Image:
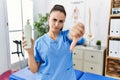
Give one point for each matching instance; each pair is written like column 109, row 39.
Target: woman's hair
column 58, row 8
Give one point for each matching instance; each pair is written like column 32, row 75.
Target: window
column 18, row 13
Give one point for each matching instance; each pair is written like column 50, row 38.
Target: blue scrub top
column 55, row 57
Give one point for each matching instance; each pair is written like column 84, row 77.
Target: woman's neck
column 53, row 35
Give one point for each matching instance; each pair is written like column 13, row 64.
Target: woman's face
column 56, row 21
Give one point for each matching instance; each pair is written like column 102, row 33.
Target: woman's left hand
column 76, row 33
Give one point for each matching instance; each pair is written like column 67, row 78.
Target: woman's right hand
column 29, row 50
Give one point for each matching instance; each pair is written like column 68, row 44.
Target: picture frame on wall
column 78, row 11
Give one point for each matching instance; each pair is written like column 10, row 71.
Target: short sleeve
column 66, row 35
column 37, row 53
column 81, row 41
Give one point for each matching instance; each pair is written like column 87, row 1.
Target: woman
column 51, row 58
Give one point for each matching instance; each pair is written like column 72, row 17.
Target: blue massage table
column 26, row 74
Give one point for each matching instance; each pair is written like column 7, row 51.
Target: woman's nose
column 56, row 24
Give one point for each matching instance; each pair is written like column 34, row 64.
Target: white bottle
column 28, row 35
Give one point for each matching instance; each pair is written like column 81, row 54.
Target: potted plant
column 41, row 26
column 98, row 44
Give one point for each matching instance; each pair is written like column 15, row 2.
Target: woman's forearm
column 33, row 65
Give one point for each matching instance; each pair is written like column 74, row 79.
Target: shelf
column 115, row 15
column 113, row 75
column 114, row 58
column 114, row 37
column 112, row 65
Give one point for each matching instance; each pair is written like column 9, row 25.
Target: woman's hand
column 33, row 65
column 76, row 33
column 29, row 50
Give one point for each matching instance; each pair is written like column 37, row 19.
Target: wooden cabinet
column 89, row 59
column 112, row 65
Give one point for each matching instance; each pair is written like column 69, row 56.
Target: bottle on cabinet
column 28, row 34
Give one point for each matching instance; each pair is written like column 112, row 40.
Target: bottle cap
column 28, row 21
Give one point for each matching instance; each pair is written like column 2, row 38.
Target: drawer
column 78, row 64
column 78, row 54
column 93, row 56
column 93, row 68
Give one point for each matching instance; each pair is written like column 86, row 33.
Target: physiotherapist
column 50, row 57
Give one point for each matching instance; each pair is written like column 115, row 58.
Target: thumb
column 73, row 44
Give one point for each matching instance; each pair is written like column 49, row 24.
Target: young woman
column 51, row 58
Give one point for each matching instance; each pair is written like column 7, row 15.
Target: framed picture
column 78, row 11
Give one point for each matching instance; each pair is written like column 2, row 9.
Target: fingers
column 24, row 44
column 73, row 44
column 22, row 36
column 77, row 31
column 80, row 27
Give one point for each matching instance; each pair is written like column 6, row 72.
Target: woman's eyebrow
column 59, row 20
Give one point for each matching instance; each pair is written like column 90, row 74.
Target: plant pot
column 98, row 47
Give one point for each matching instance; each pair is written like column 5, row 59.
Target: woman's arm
column 33, row 65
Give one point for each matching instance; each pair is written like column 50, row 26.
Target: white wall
column 4, row 59
column 39, row 6
column 99, row 19
column 99, row 15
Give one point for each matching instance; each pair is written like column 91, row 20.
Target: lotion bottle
column 28, row 35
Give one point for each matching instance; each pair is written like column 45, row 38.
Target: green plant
column 98, row 42
column 41, row 25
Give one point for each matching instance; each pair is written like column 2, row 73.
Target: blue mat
column 23, row 74
column 26, row 74
column 78, row 74
column 91, row 76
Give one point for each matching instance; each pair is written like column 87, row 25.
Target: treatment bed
column 26, row 74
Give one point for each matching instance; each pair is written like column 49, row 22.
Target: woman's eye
column 54, row 20
column 61, row 21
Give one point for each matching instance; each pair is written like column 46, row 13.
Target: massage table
column 26, row 74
